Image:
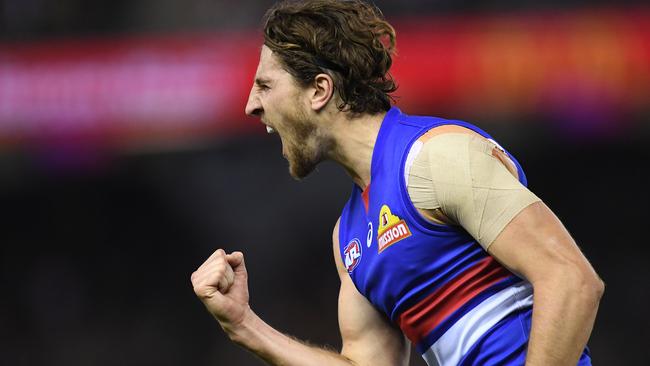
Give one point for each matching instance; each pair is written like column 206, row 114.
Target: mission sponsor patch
column 391, row 229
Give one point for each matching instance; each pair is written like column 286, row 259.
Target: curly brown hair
column 350, row 40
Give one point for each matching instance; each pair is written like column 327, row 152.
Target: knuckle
column 219, row 273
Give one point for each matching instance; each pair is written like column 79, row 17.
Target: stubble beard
column 306, row 147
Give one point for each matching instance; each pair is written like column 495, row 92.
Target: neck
column 354, row 141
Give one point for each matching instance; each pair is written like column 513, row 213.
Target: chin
column 300, row 172
column 303, row 159
column 301, row 168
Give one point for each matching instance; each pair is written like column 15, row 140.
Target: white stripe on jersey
column 450, row 348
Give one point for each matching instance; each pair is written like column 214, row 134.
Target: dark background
column 95, row 263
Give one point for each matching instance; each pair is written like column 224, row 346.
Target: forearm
column 279, row 349
column 564, row 311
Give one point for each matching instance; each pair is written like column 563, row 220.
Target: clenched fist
column 221, row 283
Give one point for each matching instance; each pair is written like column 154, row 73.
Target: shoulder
column 447, row 129
column 458, row 144
column 450, row 146
column 440, row 142
column 447, row 142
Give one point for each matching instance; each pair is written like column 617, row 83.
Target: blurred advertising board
column 587, row 70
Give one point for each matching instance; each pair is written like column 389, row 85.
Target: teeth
column 269, row 129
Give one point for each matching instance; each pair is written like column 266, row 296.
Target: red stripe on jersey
column 426, row 315
column 365, row 195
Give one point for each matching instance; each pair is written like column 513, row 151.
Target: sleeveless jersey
column 435, row 282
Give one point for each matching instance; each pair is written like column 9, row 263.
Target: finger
column 226, row 280
column 219, row 253
column 218, row 274
column 208, row 293
column 214, row 260
column 209, row 273
column 210, row 281
column 236, row 259
column 208, row 276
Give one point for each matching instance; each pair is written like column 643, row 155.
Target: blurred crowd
column 29, row 19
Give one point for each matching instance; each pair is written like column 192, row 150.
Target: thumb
column 236, row 261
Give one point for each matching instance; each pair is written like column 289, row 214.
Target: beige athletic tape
column 470, row 180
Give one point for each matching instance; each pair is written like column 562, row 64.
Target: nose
column 253, row 106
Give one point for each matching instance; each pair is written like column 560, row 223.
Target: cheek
column 272, row 101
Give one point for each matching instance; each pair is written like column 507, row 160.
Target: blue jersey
column 455, row 303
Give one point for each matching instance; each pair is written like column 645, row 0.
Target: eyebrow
column 260, row 81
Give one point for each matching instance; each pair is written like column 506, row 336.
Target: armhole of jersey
column 342, row 229
column 343, row 223
column 409, row 156
column 413, row 153
column 520, row 171
column 343, row 220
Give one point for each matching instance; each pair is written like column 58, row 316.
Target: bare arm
column 567, row 290
column 368, row 337
column 221, row 284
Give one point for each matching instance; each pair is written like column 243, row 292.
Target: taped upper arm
column 471, row 180
column 368, row 338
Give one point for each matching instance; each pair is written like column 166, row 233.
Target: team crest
column 391, row 229
column 352, row 253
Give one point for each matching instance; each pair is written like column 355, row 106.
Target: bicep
column 368, row 338
column 535, row 243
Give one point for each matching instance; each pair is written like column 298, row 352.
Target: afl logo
column 352, row 253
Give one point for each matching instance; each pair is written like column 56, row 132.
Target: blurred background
column 126, row 159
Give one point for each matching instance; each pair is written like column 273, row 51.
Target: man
column 441, row 244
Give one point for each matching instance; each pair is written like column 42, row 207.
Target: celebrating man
column 440, row 245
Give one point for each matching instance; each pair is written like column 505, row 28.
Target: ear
column 323, row 89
